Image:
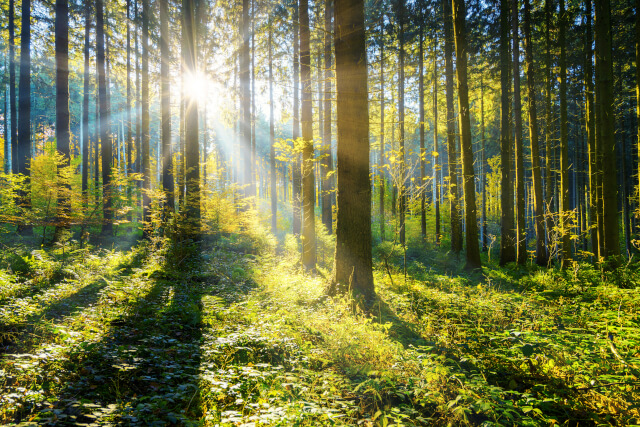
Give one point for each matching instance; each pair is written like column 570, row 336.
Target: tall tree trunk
column 24, row 107
column 538, row 203
column 353, row 265
column 565, row 209
column 591, row 137
column 604, row 83
column 423, row 153
column 483, row 172
column 402, row 190
column 296, row 172
column 12, row 89
column 436, row 153
column 466, row 147
column 252, row 170
column 381, row 171
column 165, row 101
column 85, row 107
column 521, row 226
column 146, row 161
column 308, row 185
column 192, row 149
column 637, row 83
column 508, row 240
column 327, row 162
column 245, row 99
column 105, row 120
column 129, row 125
column 549, row 188
column 62, row 111
column 272, row 148
column 454, row 202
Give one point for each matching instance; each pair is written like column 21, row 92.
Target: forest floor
column 231, row 332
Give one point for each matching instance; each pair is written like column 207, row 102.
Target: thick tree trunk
column 538, row 203
column 466, row 147
column 454, row 202
column 327, row 162
column 353, row 264
column 604, row 83
column 165, row 101
column 565, row 209
column 62, row 110
column 521, row 226
column 508, row 240
column 192, row 149
column 308, row 184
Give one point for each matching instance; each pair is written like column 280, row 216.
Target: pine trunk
column 521, row 226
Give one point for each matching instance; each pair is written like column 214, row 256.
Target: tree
column 454, row 201
column 105, row 120
column 308, row 184
column 521, row 242
column 466, row 148
column 565, row 210
column 327, row 159
column 272, row 148
column 146, row 161
column 165, row 100
column 402, row 202
column 381, row 171
column 353, row 264
column 24, row 105
column 296, row 167
column 62, row 104
column 192, row 149
column 85, row 105
column 423, row 153
column 605, row 98
column 507, row 243
column 12, row 89
column 541, row 250
column 436, row 154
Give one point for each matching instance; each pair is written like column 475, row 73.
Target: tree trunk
column 436, row 153
column 327, row 162
column 165, row 101
column 483, row 172
column 454, row 202
column 538, row 203
column 62, row 110
column 637, row 82
column 549, row 187
column 12, row 90
column 296, row 172
column 423, row 153
column 591, row 137
column 565, row 209
column 604, row 83
column 85, row 107
column 521, row 226
column 105, row 121
column 146, row 161
column 353, row 264
column 308, row 185
column 402, row 190
column 272, row 148
column 129, row 125
column 508, row 240
column 466, row 147
column 381, row 171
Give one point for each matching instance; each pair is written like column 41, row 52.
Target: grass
column 232, row 332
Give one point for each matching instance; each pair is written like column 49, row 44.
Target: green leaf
column 527, row 350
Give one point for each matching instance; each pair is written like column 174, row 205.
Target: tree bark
column 296, row 166
column 308, row 184
column 565, row 209
column 521, row 226
column 146, row 161
column 165, row 101
column 381, row 172
column 12, row 89
column 423, row 153
column 85, row 107
column 105, row 121
column 327, row 160
column 62, row 110
column 436, row 153
column 402, row 184
column 454, row 202
column 604, row 83
column 466, row 147
column 591, row 137
column 538, row 203
column 508, row 240
column 353, row 269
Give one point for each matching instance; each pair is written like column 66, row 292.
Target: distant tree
column 272, row 137
column 353, row 264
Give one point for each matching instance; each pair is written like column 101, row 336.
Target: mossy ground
column 230, row 331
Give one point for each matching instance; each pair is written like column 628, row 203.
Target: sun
column 196, row 87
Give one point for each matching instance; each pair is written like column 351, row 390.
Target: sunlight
column 196, row 86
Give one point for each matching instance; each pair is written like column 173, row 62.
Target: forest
column 320, row 212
